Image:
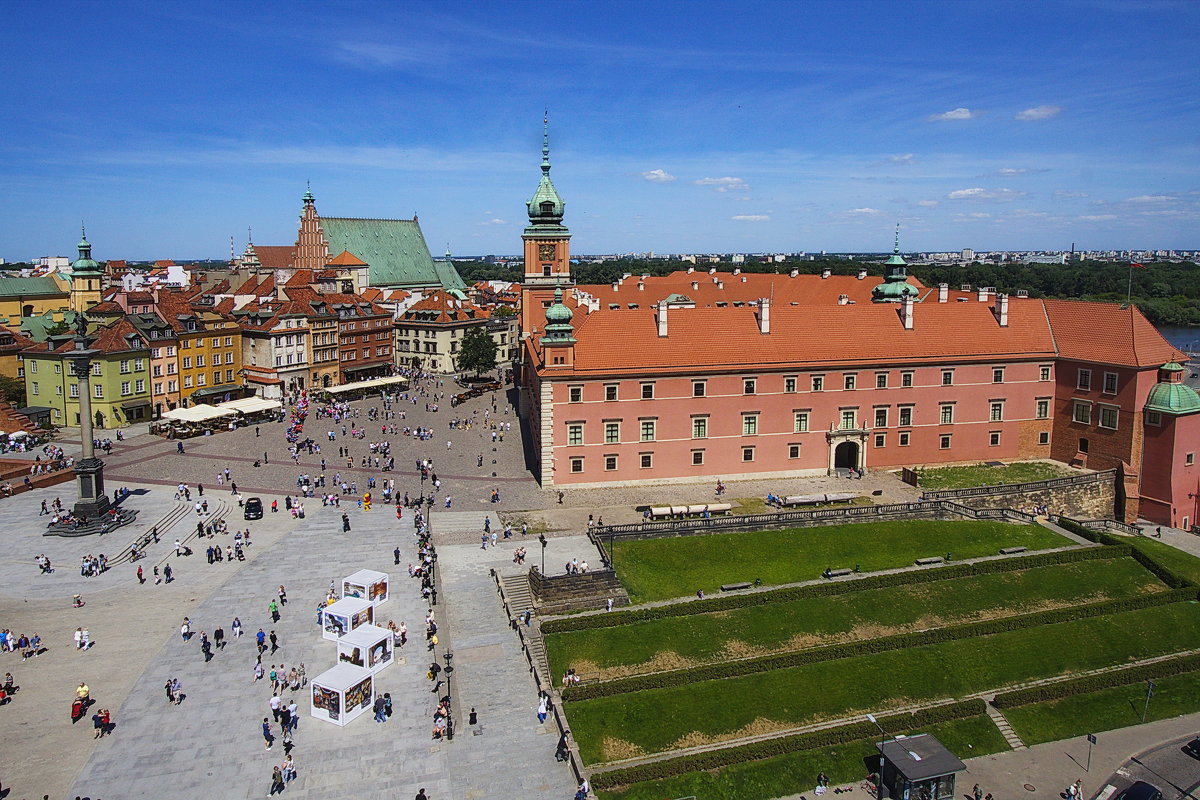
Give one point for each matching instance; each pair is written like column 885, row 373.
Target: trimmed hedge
column 1105, row 538
column 1094, row 683
column 755, row 751
column 796, row 658
column 727, row 602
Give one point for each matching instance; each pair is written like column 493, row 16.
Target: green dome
column 84, row 265
column 1173, row 398
column 895, row 284
column 545, row 208
column 558, row 313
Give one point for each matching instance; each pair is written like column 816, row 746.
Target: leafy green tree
column 478, row 351
column 14, row 391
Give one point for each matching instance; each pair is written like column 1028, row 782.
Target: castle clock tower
column 547, row 247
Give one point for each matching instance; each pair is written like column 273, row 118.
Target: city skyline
column 692, row 127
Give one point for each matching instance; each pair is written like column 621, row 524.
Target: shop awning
column 135, row 404
column 368, row 385
column 197, row 414
column 251, row 405
column 361, row 367
column 225, row 388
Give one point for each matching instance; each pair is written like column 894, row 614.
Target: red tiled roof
column 302, row 277
column 346, row 259
column 781, row 289
column 441, row 306
column 1108, row 334
column 275, row 256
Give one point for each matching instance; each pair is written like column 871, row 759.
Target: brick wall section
column 1084, row 501
column 556, row 594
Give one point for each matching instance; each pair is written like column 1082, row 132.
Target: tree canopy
column 478, row 352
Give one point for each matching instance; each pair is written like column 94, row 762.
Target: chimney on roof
column 983, row 293
column 712, row 271
column 764, row 315
column 943, row 292
column 641, row 286
column 737, row 270
column 720, row 284
column 843, row 299
column 626, row 275
column 616, row 286
column 662, row 319
column 825, row 273
column 690, row 270
column 793, row 273
column 1002, row 310
column 906, row 312
column 695, row 285
column 862, row 273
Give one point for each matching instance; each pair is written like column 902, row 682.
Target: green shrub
column 1156, row 568
column 907, row 578
column 729, row 669
column 1092, row 683
column 725, row 756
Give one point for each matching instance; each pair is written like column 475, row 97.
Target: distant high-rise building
column 967, row 254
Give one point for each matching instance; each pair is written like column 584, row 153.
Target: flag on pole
column 1136, row 265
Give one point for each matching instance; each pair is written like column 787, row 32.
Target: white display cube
column 342, row 693
column 343, row 616
column 368, row 646
column 366, row 584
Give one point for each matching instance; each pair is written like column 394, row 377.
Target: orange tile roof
column 275, row 256
column 302, row 277
column 781, row 289
column 1108, row 334
column 441, row 306
column 346, row 259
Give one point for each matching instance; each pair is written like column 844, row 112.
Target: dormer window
column 547, row 207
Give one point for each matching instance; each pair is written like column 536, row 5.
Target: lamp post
column 882, row 739
column 542, row 539
column 89, row 470
column 448, row 656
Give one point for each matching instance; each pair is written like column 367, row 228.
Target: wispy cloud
column 1149, row 198
column 377, row 55
column 751, row 217
column 906, row 158
column 1065, row 193
column 495, row 221
column 724, row 184
column 954, row 114
column 658, row 176
column 1096, row 217
column 928, row 203
column 863, row 211
column 1038, row 112
column 980, row 194
column 1010, row 172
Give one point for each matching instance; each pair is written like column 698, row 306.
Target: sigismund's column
column 93, row 501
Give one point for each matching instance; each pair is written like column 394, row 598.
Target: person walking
column 277, row 784
column 266, row 732
column 236, row 628
column 274, row 643
column 380, row 710
column 170, row 689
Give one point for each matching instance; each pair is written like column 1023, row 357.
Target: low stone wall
column 37, row 482
column 589, row 591
column 1091, row 499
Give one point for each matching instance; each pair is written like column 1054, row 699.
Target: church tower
column 312, row 250
column 86, row 276
column 547, row 247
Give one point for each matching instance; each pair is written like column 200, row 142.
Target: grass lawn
column 983, row 475
column 809, row 622
column 797, row 772
column 1185, row 565
column 1105, row 710
column 662, row 719
column 655, row 569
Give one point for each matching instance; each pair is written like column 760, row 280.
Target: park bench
column 925, row 562
column 815, row 499
column 734, row 587
column 838, row 573
column 1008, row 551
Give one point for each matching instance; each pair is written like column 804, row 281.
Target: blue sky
column 675, row 127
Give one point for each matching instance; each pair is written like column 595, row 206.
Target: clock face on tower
column 546, row 252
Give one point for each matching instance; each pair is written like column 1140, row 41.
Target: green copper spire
column 84, row 264
column 545, row 208
column 308, row 195
column 895, row 285
column 558, row 321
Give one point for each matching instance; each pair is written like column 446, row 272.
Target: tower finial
column 546, row 141
column 896, row 250
column 249, row 235
column 82, row 231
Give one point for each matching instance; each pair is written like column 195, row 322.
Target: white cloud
column 1065, row 193
column 751, row 217
column 979, row 193
column 1149, row 198
column 906, row 158
column 862, row 211
column 956, row 113
column 658, row 176
column 724, row 184
column 1097, row 217
column 927, row 203
column 495, row 221
column 1009, row 172
column 1038, row 112
column 979, row 215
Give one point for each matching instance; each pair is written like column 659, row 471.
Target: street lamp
column 448, row 656
column 542, row 539
column 882, row 739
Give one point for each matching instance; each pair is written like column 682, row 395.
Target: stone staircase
column 1010, row 736
column 517, row 596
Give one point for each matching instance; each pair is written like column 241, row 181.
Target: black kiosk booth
column 917, row 768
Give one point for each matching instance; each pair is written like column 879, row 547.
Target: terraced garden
column 657, row 569
column 684, row 693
